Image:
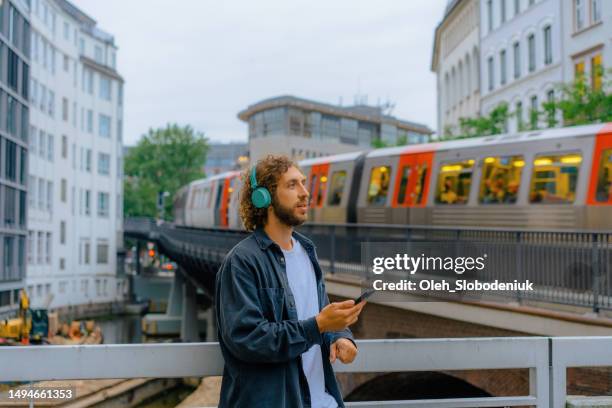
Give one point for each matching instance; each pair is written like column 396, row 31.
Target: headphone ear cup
column 260, row 197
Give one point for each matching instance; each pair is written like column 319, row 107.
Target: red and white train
column 547, row 179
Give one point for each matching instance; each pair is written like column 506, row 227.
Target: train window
column 419, row 188
column 604, row 178
column 321, row 190
column 501, row 177
column 454, row 182
column 337, row 187
column 401, row 195
column 379, row 185
column 554, row 178
column 313, row 183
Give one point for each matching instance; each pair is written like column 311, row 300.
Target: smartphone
column 365, row 295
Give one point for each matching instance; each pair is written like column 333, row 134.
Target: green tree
column 581, row 102
column 164, row 160
column 493, row 124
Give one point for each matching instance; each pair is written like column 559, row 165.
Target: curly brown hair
column 268, row 171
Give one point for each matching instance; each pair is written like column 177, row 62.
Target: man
column 277, row 331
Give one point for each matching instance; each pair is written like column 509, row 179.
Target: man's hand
column 344, row 349
column 338, row 315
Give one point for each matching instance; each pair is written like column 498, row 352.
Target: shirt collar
column 265, row 241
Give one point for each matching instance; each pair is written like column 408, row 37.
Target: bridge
column 571, row 269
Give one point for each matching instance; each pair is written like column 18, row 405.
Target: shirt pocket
column 272, row 302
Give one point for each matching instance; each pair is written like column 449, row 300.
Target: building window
column 491, row 73
column 64, row 147
column 579, row 14
column 596, row 11
column 102, row 253
column 517, row 7
column 103, row 204
column 98, row 54
column 490, row 14
column 532, row 52
column 90, row 121
column 65, row 109
column 502, row 10
column 533, row 114
column 50, row 148
column 104, row 125
column 550, row 98
column 103, row 164
column 88, row 160
column 579, row 70
column 64, row 191
column 547, row 45
column 502, row 65
column 105, row 88
column 48, row 250
column 519, row 116
column 87, row 202
column 62, row 232
column 596, row 72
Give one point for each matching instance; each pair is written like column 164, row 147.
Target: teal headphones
column 260, row 197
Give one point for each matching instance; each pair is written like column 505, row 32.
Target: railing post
column 332, row 257
column 595, row 275
column 519, row 264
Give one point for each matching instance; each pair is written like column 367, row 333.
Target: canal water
column 126, row 329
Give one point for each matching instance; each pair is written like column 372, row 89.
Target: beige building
column 456, row 61
column 302, row 128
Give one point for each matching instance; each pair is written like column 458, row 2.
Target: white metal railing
column 205, row 359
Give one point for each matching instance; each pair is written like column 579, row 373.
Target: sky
column 200, row 62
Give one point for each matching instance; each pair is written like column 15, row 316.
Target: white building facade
column 455, row 61
column 587, row 38
column 75, row 167
column 521, row 56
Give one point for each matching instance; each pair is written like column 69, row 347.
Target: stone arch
column 414, row 385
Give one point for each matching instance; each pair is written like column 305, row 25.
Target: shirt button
column 282, row 260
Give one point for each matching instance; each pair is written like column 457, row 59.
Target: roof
column 359, row 112
column 450, row 6
column 557, row 133
column 336, row 158
column 87, row 23
column 215, row 177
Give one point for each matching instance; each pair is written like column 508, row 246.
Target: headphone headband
column 253, row 177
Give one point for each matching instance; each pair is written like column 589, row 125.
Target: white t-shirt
column 303, row 283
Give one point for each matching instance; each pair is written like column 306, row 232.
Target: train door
column 228, row 188
column 411, row 188
column 317, row 187
column 219, row 202
column 600, row 186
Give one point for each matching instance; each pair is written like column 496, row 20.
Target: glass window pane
column 321, row 190
column 419, row 188
column 554, row 178
column 454, row 182
column 337, row 187
column 501, row 177
column 401, row 195
column 604, row 178
column 379, row 185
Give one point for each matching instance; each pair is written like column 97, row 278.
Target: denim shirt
column 260, row 335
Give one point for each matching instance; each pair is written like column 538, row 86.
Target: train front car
column 332, row 182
